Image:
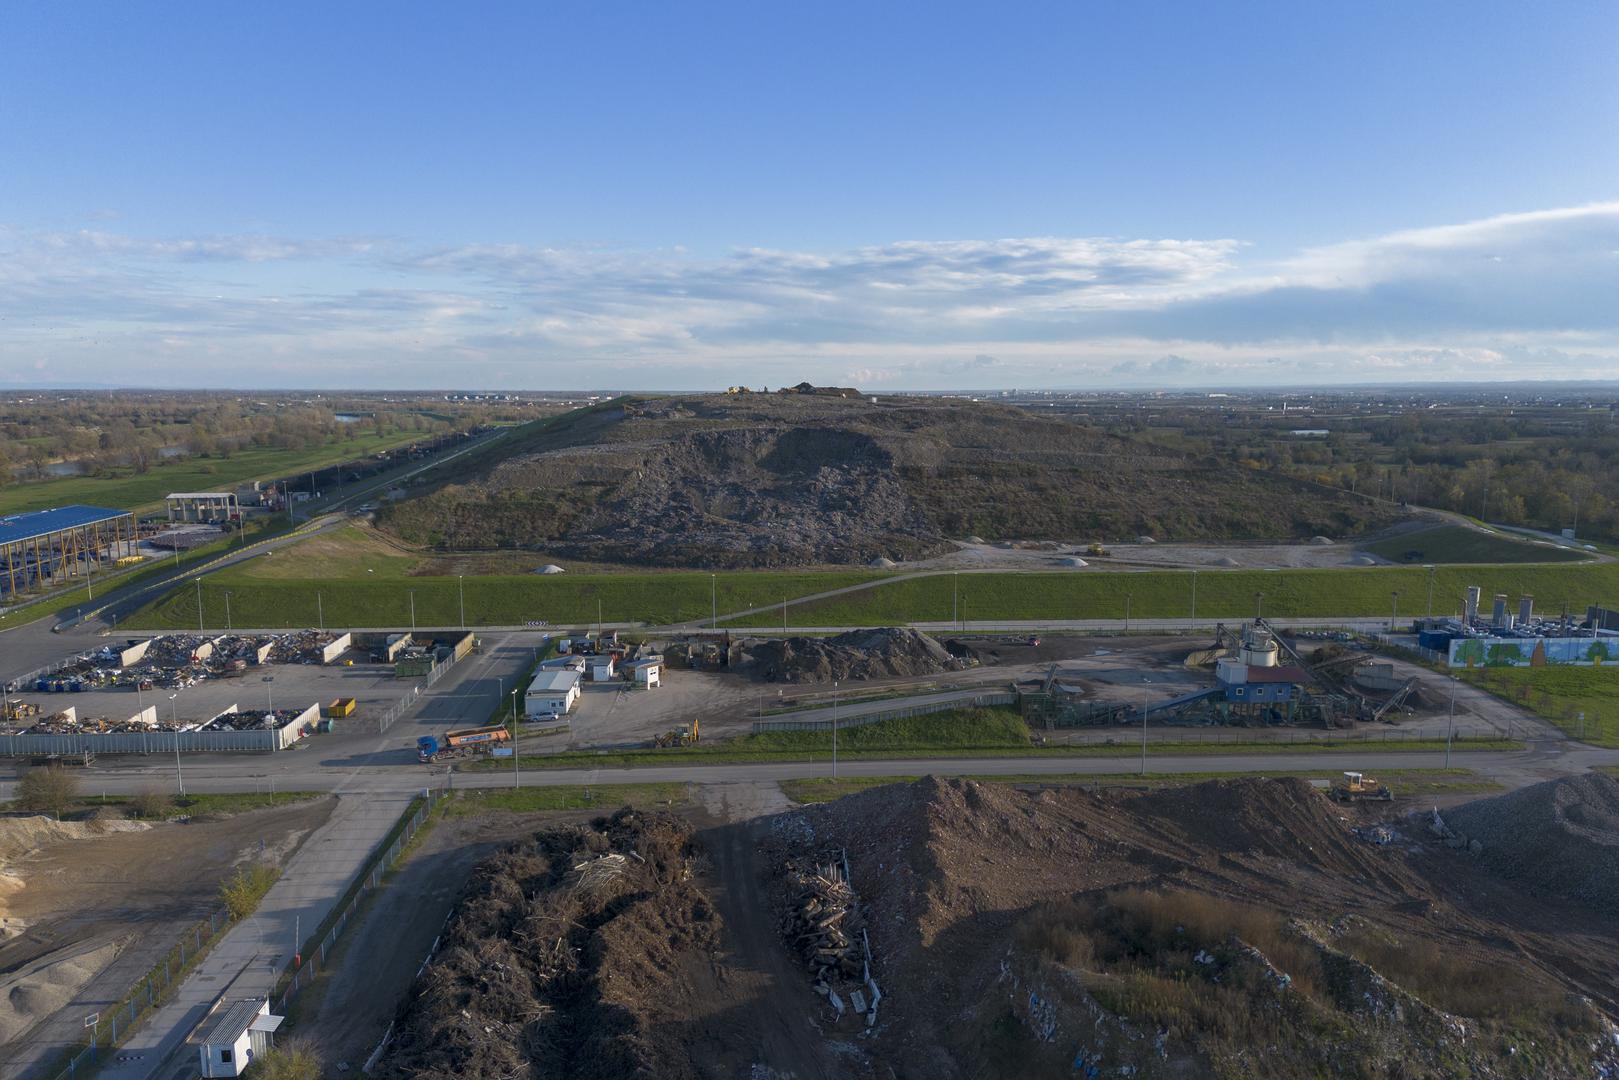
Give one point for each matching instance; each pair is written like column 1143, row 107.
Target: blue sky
column 898, row 195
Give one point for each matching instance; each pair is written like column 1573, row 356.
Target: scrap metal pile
column 301, row 647
column 824, row 924
column 256, row 720
column 65, row 724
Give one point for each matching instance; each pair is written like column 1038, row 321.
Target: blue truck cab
column 427, row 747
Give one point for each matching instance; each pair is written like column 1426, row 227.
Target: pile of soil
column 969, row 887
column 858, row 654
column 1560, row 836
column 576, row 953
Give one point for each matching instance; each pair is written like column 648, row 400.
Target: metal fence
column 312, row 960
column 152, row 990
column 408, row 701
column 972, row 701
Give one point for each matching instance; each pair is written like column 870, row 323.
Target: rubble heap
column 825, row 925
column 859, row 654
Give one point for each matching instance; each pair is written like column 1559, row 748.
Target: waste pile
column 574, row 953
column 824, row 924
column 256, row 720
column 1558, row 836
column 857, row 654
column 301, row 647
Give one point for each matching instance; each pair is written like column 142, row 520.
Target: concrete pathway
column 250, row 958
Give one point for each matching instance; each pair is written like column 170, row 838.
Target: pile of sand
column 40, row 988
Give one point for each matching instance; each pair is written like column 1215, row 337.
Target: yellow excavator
column 1096, row 550
column 681, row 736
column 1358, row 787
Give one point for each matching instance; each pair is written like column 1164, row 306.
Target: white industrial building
column 602, row 668
column 242, row 1031
column 646, row 672
column 551, row 692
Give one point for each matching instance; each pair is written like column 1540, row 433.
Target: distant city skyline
column 950, row 196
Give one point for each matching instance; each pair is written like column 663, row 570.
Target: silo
column 1498, row 616
column 1470, row 605
column 1258, row 648
column 1526, row 609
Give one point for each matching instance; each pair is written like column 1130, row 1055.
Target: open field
column 1407, row 783
column 1458, row 544
column 210, row 806
column 136, row 491
column 1561, row 694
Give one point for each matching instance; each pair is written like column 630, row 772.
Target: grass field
column 604, row 797
column 1560, row 694
column 1456, row 544
column 1405, row 782
column 1220, row 593
column 384, row 598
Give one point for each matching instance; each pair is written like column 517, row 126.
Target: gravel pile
column 1560, row 836
column 858, row 654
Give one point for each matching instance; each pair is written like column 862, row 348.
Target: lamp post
column 1127, row 598
column 461, row 593
column 1194, row 599
column 1394, row 611
column 227, row 613
column 412, row 610
column 834, row 729
column 320, row 611
column 269, row 695
column 174, row 718
column 1143, row 733
column 955, row 595
column 1451, row 726
column 714, row 601
column 517, row 774
column 784, row 616
column 199, row 605
column 1430, row 569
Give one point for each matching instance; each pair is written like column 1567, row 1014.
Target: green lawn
column 1405, row 782
column 1560, row 693
column 132, row 491
column 1220, row 594
column 563, row 599
column 603, row 797
column 1458, row 544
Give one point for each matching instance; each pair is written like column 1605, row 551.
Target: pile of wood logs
column 824, row 922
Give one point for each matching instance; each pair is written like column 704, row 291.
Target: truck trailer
column 463, row 743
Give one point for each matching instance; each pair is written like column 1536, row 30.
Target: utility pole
column 174, row 718
column 320, row 611
column 1429, row 567
column 199, row 605
column 517, row 774
column 714, row 601
column 461, row 592
column 1394, row 612
column 1194, row 599
column 1127, row 598
column 227, row 613
column 784, row 616
column 412, row 610
column 955, row 595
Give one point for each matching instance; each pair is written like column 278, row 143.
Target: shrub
column 151, row 803
column 243, row 890
column 294, row 1061
column 47, row 790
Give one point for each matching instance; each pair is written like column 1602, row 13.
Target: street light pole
column 199, row 605
column 1143, row 733
column 1394, row 612
column 320, row 611
column 1194, row 599
column 227, row 613
column 412, row 610
column 955, row 595
column 517, row 775
column 1451, row 726
column 834, row 729
column 174, row 718
column 714, row 601
column 1430, row 570
column 1127, row 598
column 461, row 592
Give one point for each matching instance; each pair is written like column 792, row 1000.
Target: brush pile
column 824, row 924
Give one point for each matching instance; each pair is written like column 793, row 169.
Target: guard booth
column 239, row 1032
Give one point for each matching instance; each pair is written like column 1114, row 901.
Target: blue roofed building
column 41, row 548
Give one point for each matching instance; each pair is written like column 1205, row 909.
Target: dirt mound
column 570, row 955
column 858, row 654
column 1561, row 836
column 1170, row 932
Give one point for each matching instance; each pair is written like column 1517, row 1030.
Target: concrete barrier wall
column 288, row 734
column 147, row 716
column 340, row 645
column 261, row 655
column 462, row 647
column 976, row 701
column 134, row 653
column 139, row 742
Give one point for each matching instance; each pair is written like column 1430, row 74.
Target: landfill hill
column 809, row 478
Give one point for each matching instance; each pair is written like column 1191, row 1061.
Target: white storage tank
column 1258, row 647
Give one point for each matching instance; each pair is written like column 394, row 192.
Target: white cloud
column 1517, row 295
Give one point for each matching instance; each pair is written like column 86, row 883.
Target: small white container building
column 602, row 668
column 241, row 1031
column 646, row 672
column 551, row 692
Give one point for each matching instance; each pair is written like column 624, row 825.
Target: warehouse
column 551, row 693
column 41, row 547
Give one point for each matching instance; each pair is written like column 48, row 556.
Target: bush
column 47, row 790
column 151, row 804
column 294, row 1061
column 243, row 890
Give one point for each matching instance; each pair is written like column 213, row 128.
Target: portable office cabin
column 602, row 668
column 551, row 692
column 646, row 672
column 244, row 1030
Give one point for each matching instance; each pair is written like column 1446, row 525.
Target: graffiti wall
column 1533, row 652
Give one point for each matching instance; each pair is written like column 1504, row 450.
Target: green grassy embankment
column 603, row 797
column 1458, row 544
column 1156, row 594
column 133, row 491
column 992, row 732
column 1560, row 694
column 1405, row 782
column 384, row 598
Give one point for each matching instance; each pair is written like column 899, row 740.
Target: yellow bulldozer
column 1358, row 787
column 682, row 736
column 1095, row 549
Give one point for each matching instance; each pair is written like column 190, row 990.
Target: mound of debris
column 858, row 654
column 1560, row 836
column 1175, row 932
column 826, row 926
column 571, row 954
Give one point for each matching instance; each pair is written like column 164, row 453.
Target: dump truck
column 681, row 736
column 1358, row 787
column 463, row 743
